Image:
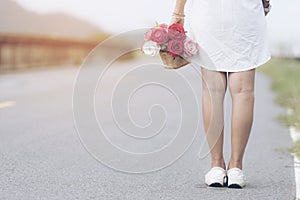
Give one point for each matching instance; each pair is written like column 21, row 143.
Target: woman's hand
column 267, row 6
column 175, row 20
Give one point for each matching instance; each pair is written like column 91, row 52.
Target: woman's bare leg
column 241, row 86
column 214, row 85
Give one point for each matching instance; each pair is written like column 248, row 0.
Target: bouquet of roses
column 171, row 43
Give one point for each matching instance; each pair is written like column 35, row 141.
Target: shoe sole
column 216, row 185
column 235, row 186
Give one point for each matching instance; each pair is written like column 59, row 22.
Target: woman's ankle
column 235, row 164
column 218, row 163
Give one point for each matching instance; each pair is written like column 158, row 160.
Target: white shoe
column 215, row 177
column 236, row 178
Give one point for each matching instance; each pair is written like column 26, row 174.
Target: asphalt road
column 42, row 157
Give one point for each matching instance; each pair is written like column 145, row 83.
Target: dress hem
column 238, row 70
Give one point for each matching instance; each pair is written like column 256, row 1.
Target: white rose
column 151, row 48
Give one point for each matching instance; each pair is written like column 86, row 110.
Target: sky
column 117, row 16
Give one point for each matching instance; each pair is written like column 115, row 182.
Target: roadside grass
column 285, row 75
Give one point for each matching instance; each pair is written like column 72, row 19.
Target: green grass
column 285, row 74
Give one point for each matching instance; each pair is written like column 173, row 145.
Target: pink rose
column 163, row 26
column 190, row 48
column 159, row 35
column 175, row 47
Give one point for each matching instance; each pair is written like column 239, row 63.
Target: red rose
column 176, row 32
column 159, row 35
column 175, row 47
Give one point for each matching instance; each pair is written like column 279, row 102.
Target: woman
column 232, row 35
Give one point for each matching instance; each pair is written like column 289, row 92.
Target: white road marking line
column 295, row 135
column 7, row 104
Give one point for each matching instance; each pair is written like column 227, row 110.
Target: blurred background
column 37, row 33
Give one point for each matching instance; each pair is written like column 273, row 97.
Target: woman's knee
column 242, row 93
column 214, row 86
column 214, row 90
column 242, row 84
column 241, row 89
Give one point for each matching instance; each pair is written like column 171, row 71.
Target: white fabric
column 232, row 34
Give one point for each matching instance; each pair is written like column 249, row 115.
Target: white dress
column 232, row 34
